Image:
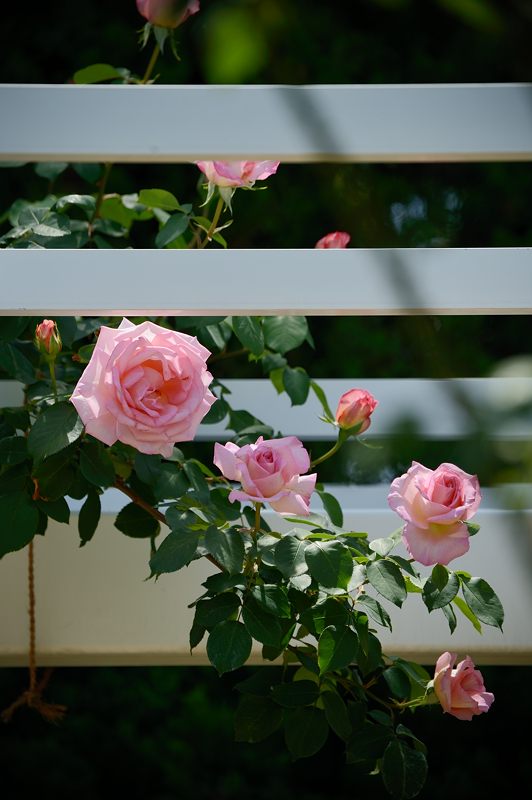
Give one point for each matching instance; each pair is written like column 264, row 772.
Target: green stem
column 258, row 507
column 151, row 64
column 334, row 449
column 51, row 367
column 102, row 184
column 214, row 223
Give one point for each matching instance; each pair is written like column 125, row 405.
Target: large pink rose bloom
column 461, row 691
column 338, row 239
column 237, row 174
column 167, row 13
column 435, row 505
column 145, row 386
column 270, row 472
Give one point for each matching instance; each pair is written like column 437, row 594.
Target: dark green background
column 166, row 733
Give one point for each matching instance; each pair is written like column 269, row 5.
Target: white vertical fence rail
column 82, row 618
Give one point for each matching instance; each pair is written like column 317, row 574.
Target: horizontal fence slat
column 212, row 282
column 95, row 607
column 353, row 123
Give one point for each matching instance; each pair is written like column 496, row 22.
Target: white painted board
column 365, row 123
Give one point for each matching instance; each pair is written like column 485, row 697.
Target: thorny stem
column 258, row 507
column 153, row 512
column 214, row 223
column 102, row 184
column 51, row 367
column 228, row 354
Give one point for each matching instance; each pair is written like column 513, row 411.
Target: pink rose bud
column 435, row 505
column 461, row 691
column 355, row 409
column 145, row 386
column 167, row 13
column 336, row 239
column 47, row 339
column 270, row 472
column 237, row 174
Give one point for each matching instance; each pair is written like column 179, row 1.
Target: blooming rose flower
column 461, row 691
column 167, row 13
column 237, row 174
column 145, row 386
column 336, row 239
column 355, row 407
column 270, row 472
column 47, row 339
column 435, row 505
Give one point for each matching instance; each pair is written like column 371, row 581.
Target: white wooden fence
column 93, row 606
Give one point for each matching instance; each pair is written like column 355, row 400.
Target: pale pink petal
column 436, row 547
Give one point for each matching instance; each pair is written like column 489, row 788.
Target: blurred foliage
column 176, row 741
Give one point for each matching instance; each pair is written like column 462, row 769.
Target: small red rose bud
column 336, row 239
column 47, row 339
column 355, row 409
column 167, row 13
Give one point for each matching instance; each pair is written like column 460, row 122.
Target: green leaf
column 227, row 547
column 159, row 198
column 368, row 743
column 450, row 616
column 228, row 646
column 20, row 519
column 297, row 384
column 483, row 601
column 57, row 427
column 56, row 509
column 305, row 731
column 197, row 480
column 89, row 172
column 248, row 331
column 320, row 394
column 321, row 616
column 89, row 517
column 175, row 552
column 333, row 508
column 398, row 682
column 50, row 169
column 260, row 682
column 289, row 556
column 85, row 201
column 55, row 475
column 96, row 73
column 95, row 464
column 16, row 364
column 440, row 588
column 13, row 450
column 388, row 580
column 336, row 714
column 12, row 327
column 404, row 770
column 337, row 648
column 466, row 611
column 216, row 609
column 256, row 718
column 330, row 563
column 273, row 599
column 374, row 610
column 264, row 627
column 370, row 657
column 284, row 333
column 296, row 694
column 134, row 521
column 472, row 528
column 171, row 230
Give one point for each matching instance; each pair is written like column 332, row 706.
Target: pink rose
column 145, row 386
column 47, row 339
column 435, row 505
column 355, row 407
column 237, row 174
column 336, row 239
column 167, row 13
column 270, row 472
column 461, row 691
